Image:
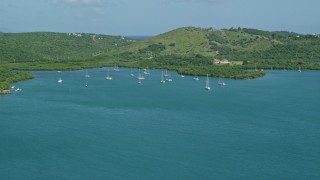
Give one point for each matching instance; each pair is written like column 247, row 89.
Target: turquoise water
column 267, row 128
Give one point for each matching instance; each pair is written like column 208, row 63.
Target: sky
column 153, row 17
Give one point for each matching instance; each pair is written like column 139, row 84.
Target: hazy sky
column 152, row 17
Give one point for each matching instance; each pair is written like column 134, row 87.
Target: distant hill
column 251, row 46
column 183, row 46
column 189, row 50
column 56, row 47
column 138, row 37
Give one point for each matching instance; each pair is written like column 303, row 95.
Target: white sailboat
column 146, row 71
column 162, row 80
column 221, row 82
column 108, row 76
column 131, row 74
column 140, row 76
column 168, row 76
column 116, row 68
column 87, row 75
column 165, row 73
column 207, row 87
column 299, row 69
column 169, row 79
column 86, row 85
column 59, row 80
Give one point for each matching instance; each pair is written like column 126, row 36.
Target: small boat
column 59, row 80
column 116, row 68
column 86, row 85
column 165, row 73
column 18, row 89
column 162, row 80
column 196, row 78
column 146, row 71
column 132, row 73
column 221, row 82
column 140, row 76
column 87, row 75
column 182, row 75
column 108, row 76
column 207, row 87
column 299, row 69
column 169, row 79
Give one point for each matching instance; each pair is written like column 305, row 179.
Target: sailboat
column 221, row 82
column 86, row 85
column 132, row 73
column 87, row 75
column 140, row 76
column 165, row 73
column 162, row 80
column 146, row 71
column 168, row 76
column 59, row 80
column 169, row 79
column 207, row 87
column 299, row 69
column 116, row 68
column 108, row 76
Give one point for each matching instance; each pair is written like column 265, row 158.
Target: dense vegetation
column 7, row 76
column 196, row 48
column 264, row 49
column 56, row 47
column 188, row 50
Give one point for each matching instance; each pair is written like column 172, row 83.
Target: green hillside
column 51, row 51
column 252, row 47
column 193, row 50
column 188, row 50
column 55, row 47
column 183, row 41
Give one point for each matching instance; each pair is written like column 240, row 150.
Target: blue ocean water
column 266, row 128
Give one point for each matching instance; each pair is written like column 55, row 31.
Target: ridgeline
column 225, row 53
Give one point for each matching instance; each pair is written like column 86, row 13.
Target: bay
column 266, row 128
